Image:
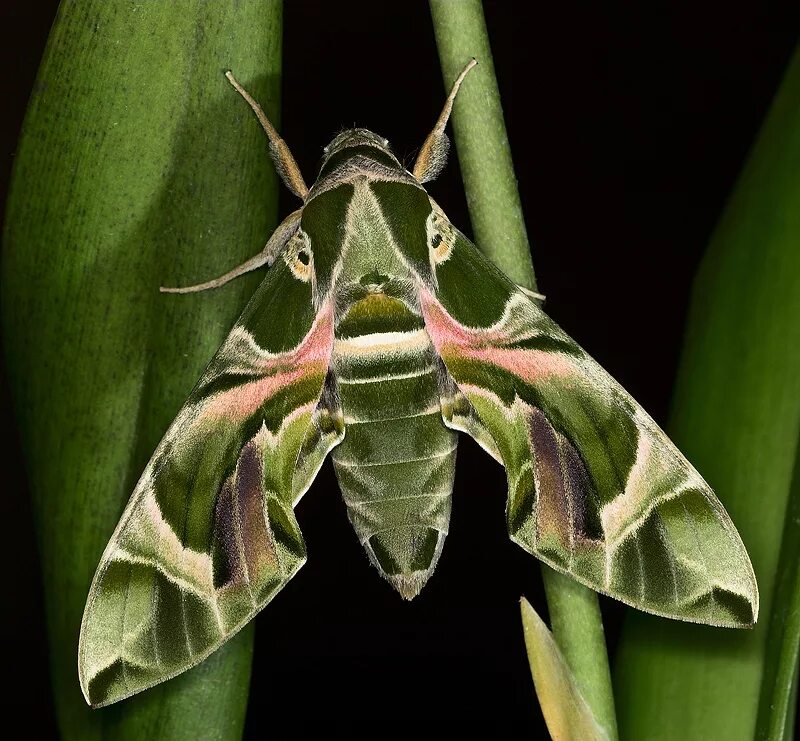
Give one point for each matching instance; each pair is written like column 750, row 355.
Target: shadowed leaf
column 778, row 705
column 138, row 166
column 736, row 415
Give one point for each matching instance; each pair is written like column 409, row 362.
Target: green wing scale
column 596, row 489
column 209, row 535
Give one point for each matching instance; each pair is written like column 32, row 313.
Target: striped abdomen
column 396, row 463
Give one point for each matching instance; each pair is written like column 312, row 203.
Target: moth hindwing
column 379, row 333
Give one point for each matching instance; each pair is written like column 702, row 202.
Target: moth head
column 358, row 147
column 356, row 138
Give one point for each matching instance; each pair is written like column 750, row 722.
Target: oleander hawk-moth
column 378, row 334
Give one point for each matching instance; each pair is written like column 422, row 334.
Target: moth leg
column 266, row 257
column 538, row 297
column 281, row 155
column 433, row 155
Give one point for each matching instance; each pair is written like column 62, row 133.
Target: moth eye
column 436, row 240
column 304, row 257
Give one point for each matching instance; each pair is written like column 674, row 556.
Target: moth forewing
column 596, row 489
column 379, row 333
column 209, row 535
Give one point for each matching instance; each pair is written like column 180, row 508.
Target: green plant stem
column 499, row 228
column 138, row 166
column 484, row 156
column 577, row 626
column 736, row 416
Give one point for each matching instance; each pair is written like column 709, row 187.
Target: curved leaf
column 138, row 166
column 778, row 705
column 736, row 415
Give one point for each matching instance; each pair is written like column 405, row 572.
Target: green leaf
column 736, row 416
column 138, row 166
column 499, row 227
column 566, row 712
column 777, row 708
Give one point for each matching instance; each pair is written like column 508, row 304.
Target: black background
column 628, row 125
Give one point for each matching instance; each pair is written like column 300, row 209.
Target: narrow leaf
column 566, row 712
column 138, row 166
column 777, row 709
column 736, row 415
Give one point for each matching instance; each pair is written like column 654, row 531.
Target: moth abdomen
column 396, row 463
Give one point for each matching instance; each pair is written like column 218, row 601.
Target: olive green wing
column 209, row 535
column 596, row 489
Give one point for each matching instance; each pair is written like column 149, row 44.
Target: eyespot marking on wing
column 441, row 236
column 298, row 256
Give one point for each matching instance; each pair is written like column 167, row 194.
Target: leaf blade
column 736, row 415
column 566, row 712
column 128, row 175
column 777, row 705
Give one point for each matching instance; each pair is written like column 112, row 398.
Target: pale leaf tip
column 566, row 712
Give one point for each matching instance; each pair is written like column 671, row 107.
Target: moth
column 378, row 335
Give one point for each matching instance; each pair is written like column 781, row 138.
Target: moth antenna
column 281, row 154
column 280, row 237
column 433, row 154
